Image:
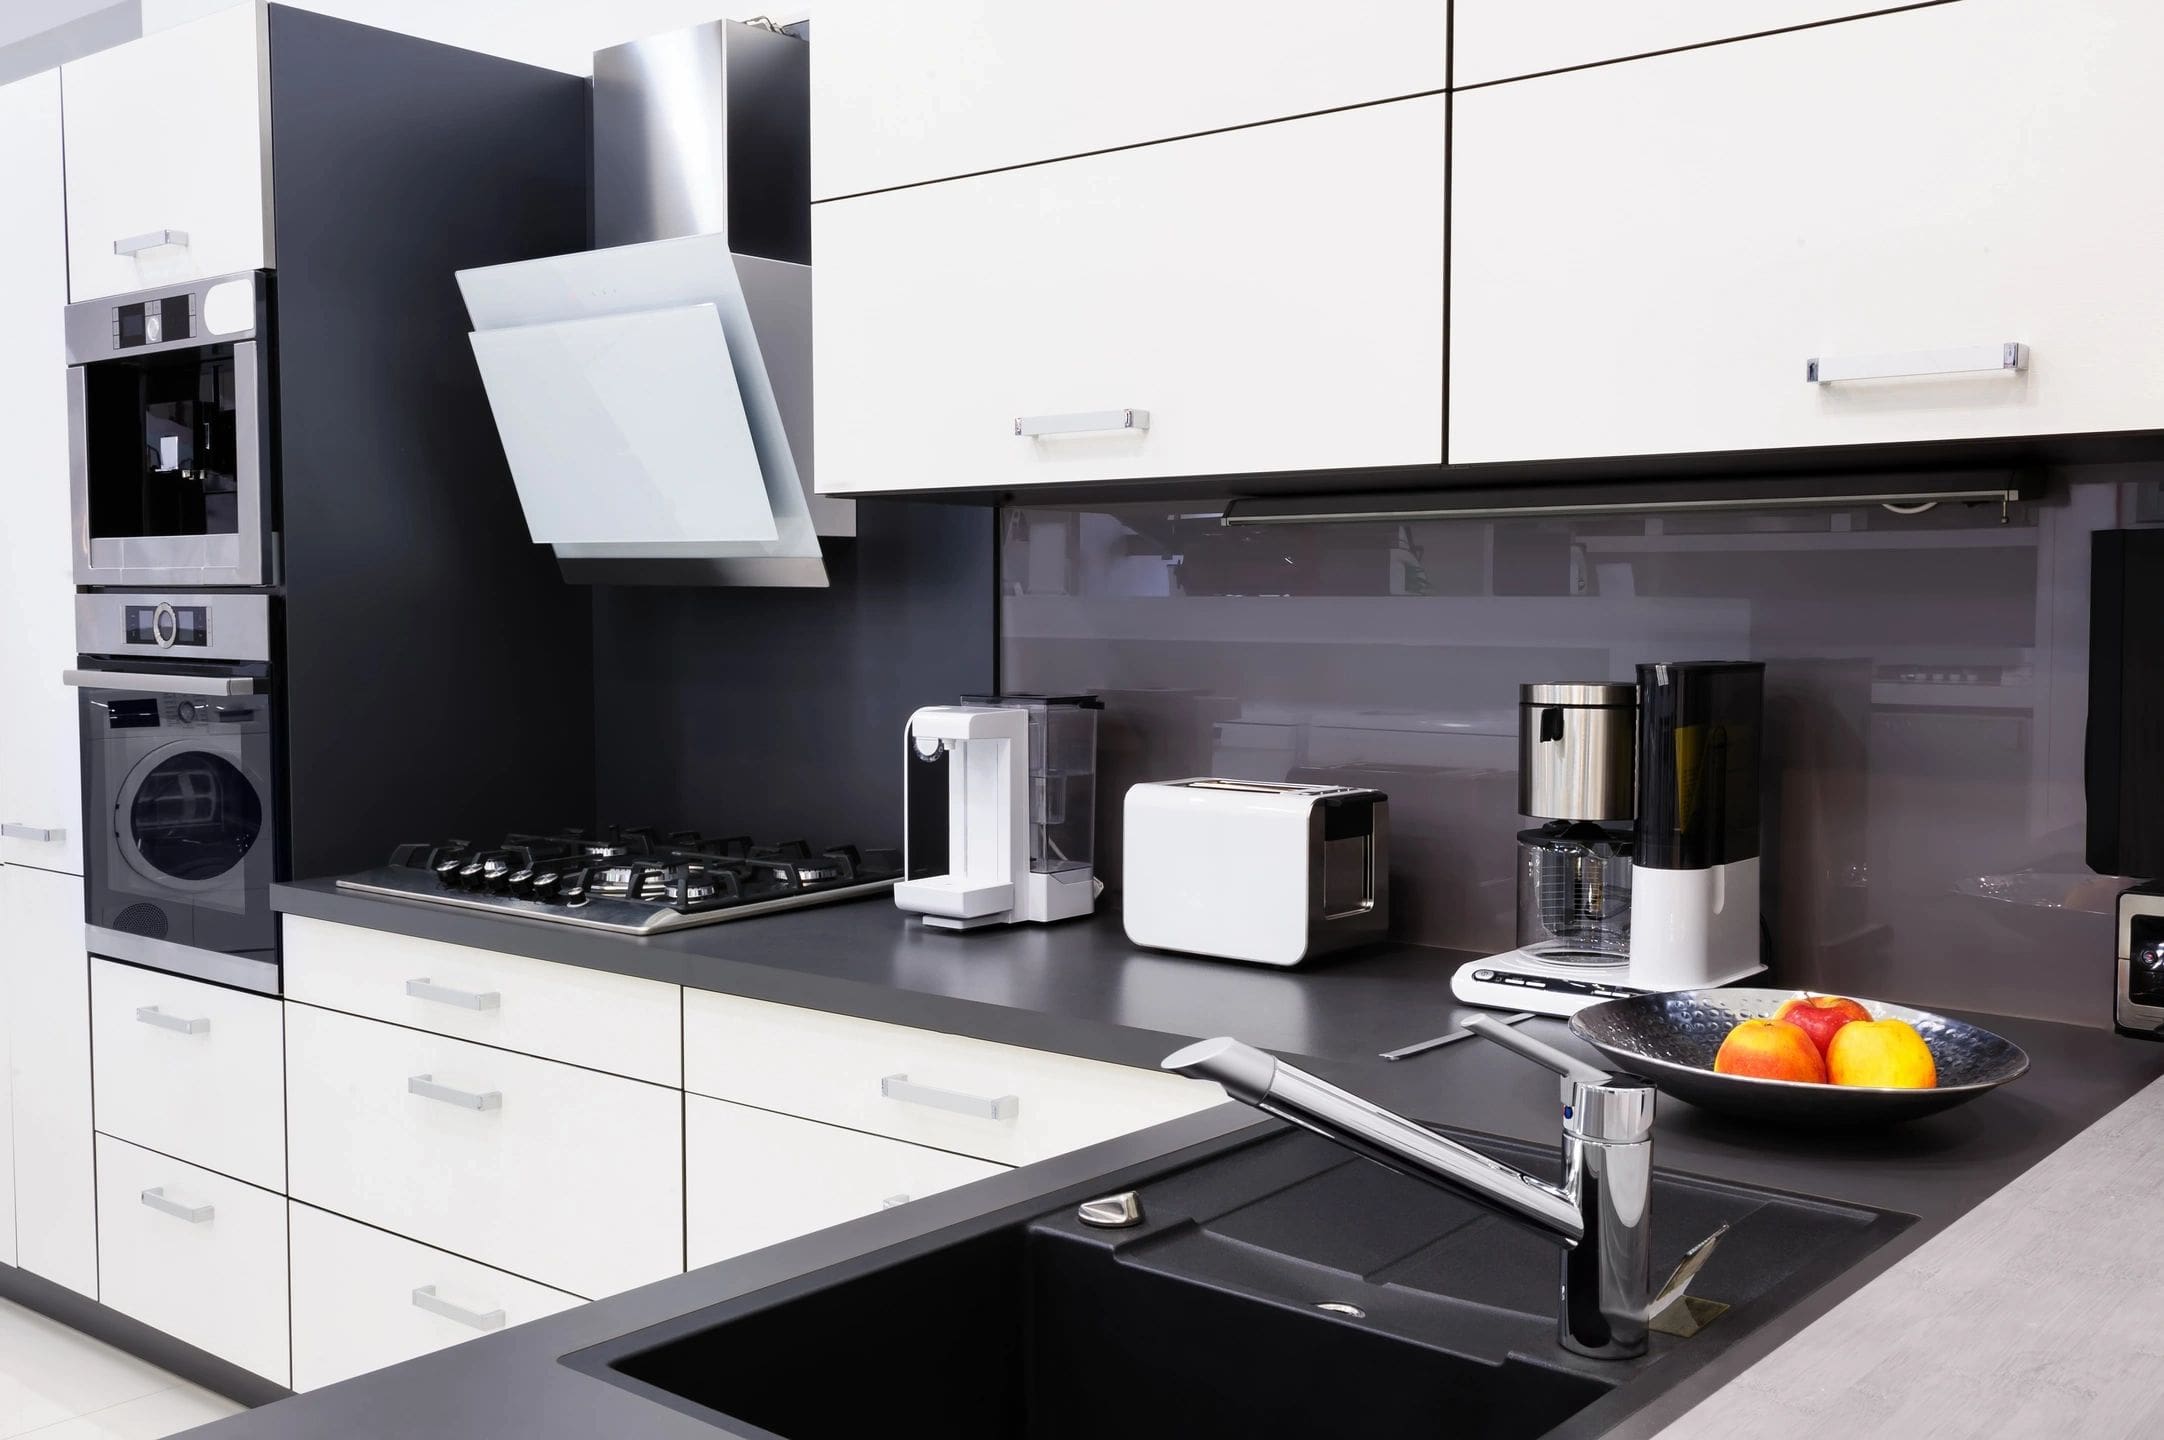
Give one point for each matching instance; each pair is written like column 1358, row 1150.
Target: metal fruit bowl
column 1671, row 1040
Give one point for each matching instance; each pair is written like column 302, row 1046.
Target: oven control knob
column 188, row 712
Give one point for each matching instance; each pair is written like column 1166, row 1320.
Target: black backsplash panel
column 779, row 713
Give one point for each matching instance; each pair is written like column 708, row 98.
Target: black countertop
column 1080, row 989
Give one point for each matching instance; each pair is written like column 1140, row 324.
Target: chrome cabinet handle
column 149, row 240
column 152, row 1015
column 9, row 830
column 2006, row 358
column 427, row 1087
column 160, row 684
column 156, row 1198
column 1082, row 422
column 893, row 1200
column 426, row 1298
column 981, row 1107
column 423, row 988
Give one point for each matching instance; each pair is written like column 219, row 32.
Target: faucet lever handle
column 1570, row 1067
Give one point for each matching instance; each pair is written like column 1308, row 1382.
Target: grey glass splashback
column 1926, row 677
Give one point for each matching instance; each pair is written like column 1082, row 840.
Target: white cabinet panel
column 753, row 1178
column 1272, row 297
column 192, row 1070
column 48, row 982
column 198, row 1255
column 608, row 1022
column 996, row 1102
column 907, row 93
column 364, row 1299
column 41, row 819
column 168, row 133
column 569, row 1177
column 1502, row 39
column 1630, row 278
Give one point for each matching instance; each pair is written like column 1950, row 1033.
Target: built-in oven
column 179, row 737
column 170, row 420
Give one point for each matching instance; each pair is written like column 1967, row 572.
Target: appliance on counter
column 2138, row 1004
column 1021, row 809
column 170, row 453
column 654, row 397
column 632, row 880
column 1674, row 903
column 1251, row 870
column 179, row 731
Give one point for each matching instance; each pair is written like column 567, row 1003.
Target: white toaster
column 1247, row 870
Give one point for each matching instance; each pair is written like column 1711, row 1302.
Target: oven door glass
column 161, row 438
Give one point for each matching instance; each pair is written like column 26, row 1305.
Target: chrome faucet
column 1599, row 1212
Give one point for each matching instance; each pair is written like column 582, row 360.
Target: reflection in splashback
column 1926, row 686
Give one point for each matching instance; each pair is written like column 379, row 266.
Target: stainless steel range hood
column 654, row 397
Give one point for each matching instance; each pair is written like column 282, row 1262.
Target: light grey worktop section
column 1081, row 989
column 2039, row 1313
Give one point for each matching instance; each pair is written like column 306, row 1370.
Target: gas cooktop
column 633, row 880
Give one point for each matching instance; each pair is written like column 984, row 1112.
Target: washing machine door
column 188, row 817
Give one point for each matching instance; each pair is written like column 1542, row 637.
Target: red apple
column 1770, row 1050
column 1818, row 1016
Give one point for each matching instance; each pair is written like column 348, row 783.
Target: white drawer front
column 907, row 93
column 997, row 1102
column 617, row 1023
column 190, row 1069
column 1271, row 297
column 569, row 1177
column 1502, row 39
column 364, row 1299
column 753, row 1178
column 198, row 1255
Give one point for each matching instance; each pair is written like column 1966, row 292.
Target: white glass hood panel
column 627, row 429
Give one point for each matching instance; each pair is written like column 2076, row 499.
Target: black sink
column 1206, row 1319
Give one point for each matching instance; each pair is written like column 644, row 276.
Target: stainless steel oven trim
column 218, row 686
column 89, row 323
column 182, row 559
column 238, row 625
column 243, row 971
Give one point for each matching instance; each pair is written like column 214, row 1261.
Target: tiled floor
column 56, row 1384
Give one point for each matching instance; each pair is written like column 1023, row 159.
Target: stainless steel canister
column 1577, row 751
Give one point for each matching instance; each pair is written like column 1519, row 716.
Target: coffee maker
column 1021, row 809
column 1643, row 873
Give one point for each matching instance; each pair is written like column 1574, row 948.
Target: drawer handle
column 149, row 240
column 2007, row 358
column 893, row 1200
column 156, row 1198
column 1082, row 422
column 427, row 989
column 426, row 1298
column 9, row 830
column 981, row 1107
column 427, row 1088
column 152, row 1015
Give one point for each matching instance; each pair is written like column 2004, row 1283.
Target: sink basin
column 1206, row 1319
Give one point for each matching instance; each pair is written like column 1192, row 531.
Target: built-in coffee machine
column 1641, row 873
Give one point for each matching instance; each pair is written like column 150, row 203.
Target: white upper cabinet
column 1647, row 257
column 1264, row 299
column 168, row 157
column 1503, row 39
column 905, row 93
column 41, row 808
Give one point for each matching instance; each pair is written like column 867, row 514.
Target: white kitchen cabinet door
column 569, row 1177
column 7, row 1109
column 902, row 94
column 189, row 1069
column 1505, row 39
column 1272, row 297
column 169, row 133
column 974, row 1097
column 364, row 1299
column 1645, row 257
column 48, row 986
column 753, row 1178
column 41, row 810
column 198, row 1255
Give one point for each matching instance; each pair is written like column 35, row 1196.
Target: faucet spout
column 1598, row 1213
